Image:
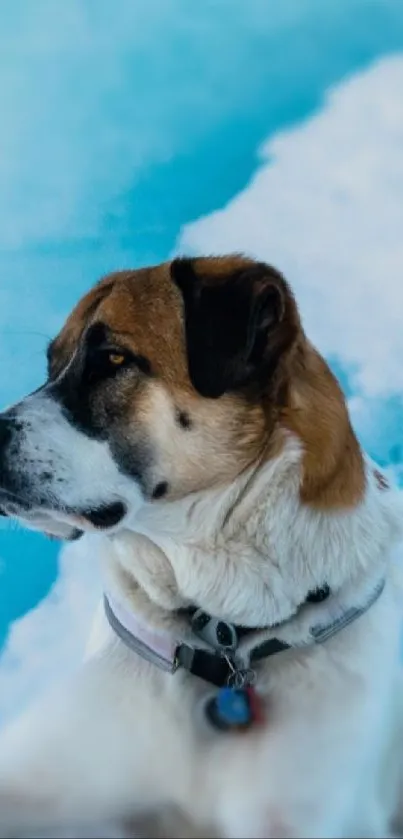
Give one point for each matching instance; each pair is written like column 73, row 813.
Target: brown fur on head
column 206, row 341
column 188, row 373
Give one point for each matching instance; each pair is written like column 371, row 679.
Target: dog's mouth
column 106, row 516
column 101, row 518
column 76, row 522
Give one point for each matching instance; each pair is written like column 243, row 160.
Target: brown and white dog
column 188, row 418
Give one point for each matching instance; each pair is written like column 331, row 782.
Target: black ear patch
column 237, row 323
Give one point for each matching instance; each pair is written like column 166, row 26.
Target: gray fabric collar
column 211, row 660
column 321, row 633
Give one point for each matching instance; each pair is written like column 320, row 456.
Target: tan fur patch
column 333, row 468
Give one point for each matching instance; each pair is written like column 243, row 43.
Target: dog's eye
column 111, row 360
column 116, row 359
column 105, row 358
column 106, row 361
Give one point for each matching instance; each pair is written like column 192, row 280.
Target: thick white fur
column 124, row 739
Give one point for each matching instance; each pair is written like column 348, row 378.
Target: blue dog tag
column 233, row 706
column 231, row 709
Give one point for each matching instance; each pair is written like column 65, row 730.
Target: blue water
column 124, row 122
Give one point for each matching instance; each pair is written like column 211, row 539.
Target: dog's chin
column 66, row 525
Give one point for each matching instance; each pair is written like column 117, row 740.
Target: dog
column 189, row 429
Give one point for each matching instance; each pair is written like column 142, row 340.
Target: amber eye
column 117, row 359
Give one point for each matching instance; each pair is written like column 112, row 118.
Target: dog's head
column 164, row 381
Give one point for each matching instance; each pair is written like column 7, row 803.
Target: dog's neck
column 251, row 552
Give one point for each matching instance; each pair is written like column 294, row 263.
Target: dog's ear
column 238, row 322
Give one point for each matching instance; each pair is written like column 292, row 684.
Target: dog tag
column 234, row 709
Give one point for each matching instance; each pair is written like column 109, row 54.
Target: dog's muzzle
column 32, row 497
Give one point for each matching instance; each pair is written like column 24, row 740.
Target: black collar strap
column 220, row 669
column 209, row 666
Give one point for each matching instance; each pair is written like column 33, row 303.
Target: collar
column 222, row 653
